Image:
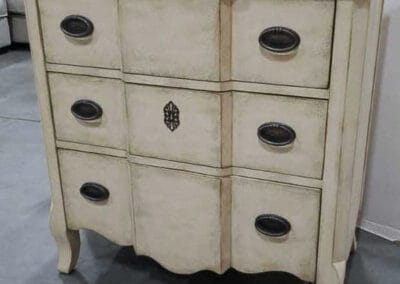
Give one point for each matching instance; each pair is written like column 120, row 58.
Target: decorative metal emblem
column 171, row 116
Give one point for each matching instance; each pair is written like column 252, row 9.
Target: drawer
column 282, row 42
column 176, row 124
column 81, row 32
column 89, row 110
column 178, row 218
column 175, row 38
column 274, row 228
column 96, row 192
column 279, row 134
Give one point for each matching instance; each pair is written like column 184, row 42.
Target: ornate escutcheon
column 171, row 116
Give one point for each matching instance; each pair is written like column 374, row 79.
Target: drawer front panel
column 81, row 32
column 89, row 110
column 279, row 134
column 96, row 191
column 175, row 38
column 274, row 228
column 177, row 218
column 298, row 53
column 174, row 124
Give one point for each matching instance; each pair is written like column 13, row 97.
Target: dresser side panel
column 327, row 272
column 353, row 98
column 366, row 111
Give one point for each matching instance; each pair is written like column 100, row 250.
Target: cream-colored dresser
column 208, row 134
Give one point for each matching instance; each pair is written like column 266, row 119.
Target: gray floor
column 28, row 253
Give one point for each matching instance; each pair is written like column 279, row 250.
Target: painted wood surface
column 307, row 66
column 68, row 241
column 220, row 78
column 110, row 130
column 178, row 218
column 183, row 42
column 304, row 157
column 112, row 217
column 253, row 252
column 101, row 49
column 197, row 138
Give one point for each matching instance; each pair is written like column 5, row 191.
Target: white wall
column 381, row 211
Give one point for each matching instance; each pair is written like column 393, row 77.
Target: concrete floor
column 28, row 253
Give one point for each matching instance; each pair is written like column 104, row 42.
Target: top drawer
column 174, row 38
column 81, row 32
column 285, row 42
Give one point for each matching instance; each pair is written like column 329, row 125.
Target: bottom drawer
column 178, row 218
column 96, row 193
column 274, row 227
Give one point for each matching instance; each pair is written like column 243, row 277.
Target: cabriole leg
column 68, row 243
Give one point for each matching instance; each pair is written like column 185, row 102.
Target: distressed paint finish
column 253, row 252
column 198, row 139
column 309, row 66
column 99, row 50
column 307, row 118
column 111, row 218
column 225, row 86
column 183, row 42
column 108, row 131
column 68, row 241
column 204, row 187
column 178, row 218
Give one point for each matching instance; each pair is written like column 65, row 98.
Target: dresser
column 208, row 134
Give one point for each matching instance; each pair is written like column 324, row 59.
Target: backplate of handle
column 276, row 134
column 94, row 192
column 272, row 225
column 86, row 110
column 77, row 26
column 279, row 40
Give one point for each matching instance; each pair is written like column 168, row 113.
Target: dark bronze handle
column 77, row 26
column 272, row 225
column 276, row 134
column 86, row 110
column 279, row 40
column 94, row 192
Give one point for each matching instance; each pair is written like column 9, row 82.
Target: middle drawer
column 279, row 134
column 89, row 110
column 179, row 125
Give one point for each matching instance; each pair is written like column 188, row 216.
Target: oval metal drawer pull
column 77, row 26
column 279, row 40
column 276, row 134
column 86, row 110
column 94, row 192
column 272, row 225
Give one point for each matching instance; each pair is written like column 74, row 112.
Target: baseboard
column 386, row 232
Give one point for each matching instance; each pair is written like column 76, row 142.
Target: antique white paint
column 215, row 189
column 253, row 252
column 198, row 137
column 178, row 218
column 112, row 218
column 306, row 117
column 183, row 42
column 108, row 131
column 310, row 64
column 99, row 50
